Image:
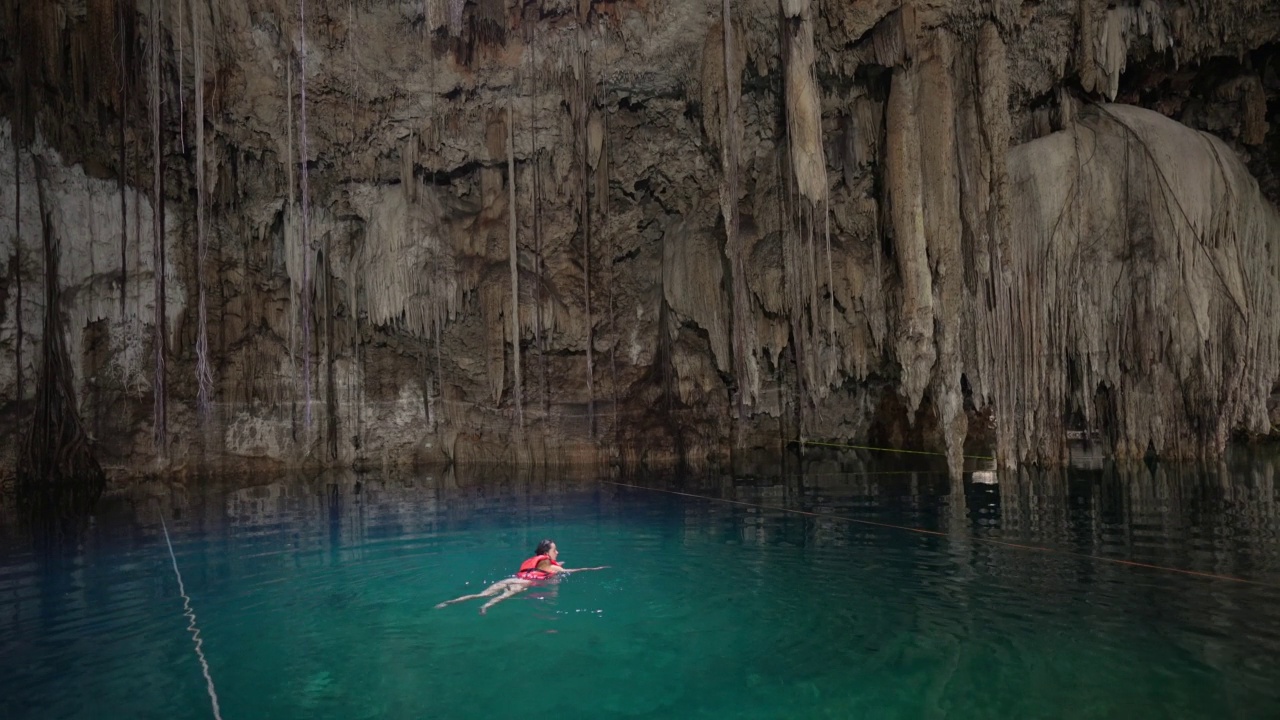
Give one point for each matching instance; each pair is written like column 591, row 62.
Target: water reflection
column 1218, row 518
column 915, row 572
column 1031, row 545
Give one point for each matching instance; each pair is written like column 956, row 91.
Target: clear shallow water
column 314, row 598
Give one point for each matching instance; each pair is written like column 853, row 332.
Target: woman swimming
column 542, row 566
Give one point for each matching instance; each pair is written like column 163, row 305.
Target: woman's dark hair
column 544, row 547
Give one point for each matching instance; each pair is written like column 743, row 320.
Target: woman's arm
column 551, row 568
column 574, row 570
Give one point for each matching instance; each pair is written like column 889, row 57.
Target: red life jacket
column 529, row 568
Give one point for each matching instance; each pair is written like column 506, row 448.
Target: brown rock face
column 397, row 231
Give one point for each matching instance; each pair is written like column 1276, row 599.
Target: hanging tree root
column 57, row 472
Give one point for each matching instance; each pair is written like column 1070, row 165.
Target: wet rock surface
column 936, row 224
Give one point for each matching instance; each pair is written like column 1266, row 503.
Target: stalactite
column 204, row 376
column 356, row 390
column 432, row 286
column 991, row 107
column 428, row 397
column 808, row 169
column 804, row 112
column 306, row 214
column 798, row 274
column 124, row 113
column 514, row 262
column 493, row 298
column 431, row 21
column 940, row 185
column 352, row 33
column 662, row 358
column 915, row 343
column 806, row 222
column 438, row 315
column 831, row 280
column 331, row 393
column 456, row 8
column 790, row 281
column 159, row 411
column 730, row 152
column 438, row 312
column 140, row 172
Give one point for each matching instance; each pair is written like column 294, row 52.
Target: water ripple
column 316, row 604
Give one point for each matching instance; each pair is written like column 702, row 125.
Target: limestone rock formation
column 643, row 230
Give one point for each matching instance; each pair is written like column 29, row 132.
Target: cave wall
column 930, row 224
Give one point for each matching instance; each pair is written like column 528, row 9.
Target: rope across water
column 188, row 611
column 938, row 533
column 802, row 442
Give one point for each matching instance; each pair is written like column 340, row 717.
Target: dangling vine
column 124, row 112
column 514, row 263
column 584, row 149
column 19, row 85
column 288, row 240
column 159, row 411
column 602, row 196
column 182, row 55
column 204, row 376
column 535, row 190
column 306, row 214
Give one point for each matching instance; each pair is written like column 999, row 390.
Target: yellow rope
column 944, row 535
column 804, row 442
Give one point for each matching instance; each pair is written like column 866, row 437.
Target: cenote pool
column 313, row 597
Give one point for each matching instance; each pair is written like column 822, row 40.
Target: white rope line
column 191, row 627
column 534, row 413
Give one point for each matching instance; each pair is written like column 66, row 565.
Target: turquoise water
column 314, row 598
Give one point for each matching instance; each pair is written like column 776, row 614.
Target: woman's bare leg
column 506, row 593
column 486, row 593
column 490, row 591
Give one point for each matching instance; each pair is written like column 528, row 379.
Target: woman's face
column 553, row 552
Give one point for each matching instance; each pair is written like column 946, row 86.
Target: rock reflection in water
column 1214, row 518
column 892, row 579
